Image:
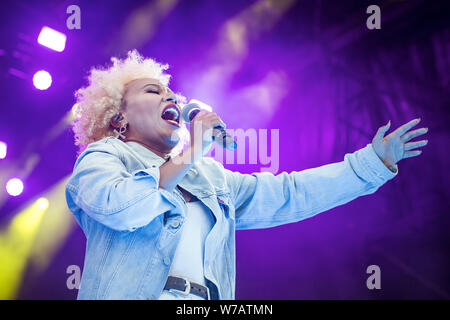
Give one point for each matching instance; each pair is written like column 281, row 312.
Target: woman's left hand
column 395, row 146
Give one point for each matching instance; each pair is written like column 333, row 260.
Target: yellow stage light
column 32, row 238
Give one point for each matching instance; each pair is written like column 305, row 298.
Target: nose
column 171, row 98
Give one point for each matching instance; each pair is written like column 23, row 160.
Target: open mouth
column 171, row 114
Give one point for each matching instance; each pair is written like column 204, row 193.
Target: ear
column 116, row 120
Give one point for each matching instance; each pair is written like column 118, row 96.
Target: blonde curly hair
column 102, row 98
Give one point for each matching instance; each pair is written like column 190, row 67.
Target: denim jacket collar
column 145, row 153
column 196, row 183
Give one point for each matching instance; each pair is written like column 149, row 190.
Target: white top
column 188, row 259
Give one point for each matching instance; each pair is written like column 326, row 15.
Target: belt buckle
column 187, row 290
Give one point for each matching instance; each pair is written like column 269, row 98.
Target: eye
column 151, row 91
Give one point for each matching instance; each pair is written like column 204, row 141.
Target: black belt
column 186, row 287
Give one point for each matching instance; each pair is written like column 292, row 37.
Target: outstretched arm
column 263, row 200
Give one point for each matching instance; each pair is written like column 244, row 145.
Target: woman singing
column 160, row 217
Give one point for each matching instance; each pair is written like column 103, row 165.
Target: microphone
column 189, row 112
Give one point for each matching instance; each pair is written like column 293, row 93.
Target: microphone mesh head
column 188, row 113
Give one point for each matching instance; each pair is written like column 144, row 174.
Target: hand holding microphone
column 206, row 127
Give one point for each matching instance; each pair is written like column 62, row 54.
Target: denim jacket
column 133, row 227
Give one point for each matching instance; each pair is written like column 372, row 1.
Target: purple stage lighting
column 52, row 39
column 2, row 150
column 14, row 187
column 42, row 80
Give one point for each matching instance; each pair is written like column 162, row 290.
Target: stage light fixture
column 14, row 186
column 3, row 149
column 42, row 80
column 42, row 203
column 52, row 39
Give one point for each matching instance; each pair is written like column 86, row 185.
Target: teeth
column 171, row 113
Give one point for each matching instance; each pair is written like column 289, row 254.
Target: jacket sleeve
column 263, row 200
column 101, row 187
